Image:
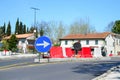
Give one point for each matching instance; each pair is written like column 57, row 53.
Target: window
column 96, row 42
column 116, row 42
column 113, row 44
column 105, row 42
column 119, row 42
column 87, row 42
column 73, row 40
column 22, row 40
column 66, row 42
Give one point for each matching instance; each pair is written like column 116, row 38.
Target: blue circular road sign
column 43, row 44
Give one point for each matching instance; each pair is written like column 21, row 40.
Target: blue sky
column 99, row 12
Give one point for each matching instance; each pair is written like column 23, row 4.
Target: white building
column 108, row 40
column 24, row 40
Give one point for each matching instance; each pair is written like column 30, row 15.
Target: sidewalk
column 18, row 55
column 112, row 74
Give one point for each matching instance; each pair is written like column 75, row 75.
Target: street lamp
column 34, row 33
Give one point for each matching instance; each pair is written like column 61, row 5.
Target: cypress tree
column 1, row 32
column 4, row 29
column 21, row 28
column 24, row 29
column 8, row 29
column 28, row 30
column 31, row 29
column 17, row 27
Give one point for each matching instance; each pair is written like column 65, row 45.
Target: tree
column 4, row 29
column 17, row 27
column 31, row 29
column 60, row 31
column 27, row 30
column 43, row 28
column 116, row 27
column 24, row 29
column 8, row 29
column 109, row 27
column 12, row 43
column 52, row 30
column 5, row 45
column 56, row 30
column 21, row 28
column 81, row 27
column 1, row 32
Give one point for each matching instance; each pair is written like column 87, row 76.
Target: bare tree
column 60, row 31
column 43, row 28
column 53, row 27
column 81, row 27
column 57, row 30
column 109, row 27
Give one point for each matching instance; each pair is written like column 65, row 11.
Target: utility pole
column 35, row 9
column 34, row 31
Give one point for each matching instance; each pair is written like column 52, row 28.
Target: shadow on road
column 95, row 68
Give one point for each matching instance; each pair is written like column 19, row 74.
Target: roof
column 21, row 36
column 87, row 36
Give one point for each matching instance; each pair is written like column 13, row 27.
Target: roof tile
column 87, row 36
column 20, row 36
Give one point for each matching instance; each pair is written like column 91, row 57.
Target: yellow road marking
column 20, row 66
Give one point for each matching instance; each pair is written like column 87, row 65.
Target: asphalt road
column 60, row 71
column 16, row 61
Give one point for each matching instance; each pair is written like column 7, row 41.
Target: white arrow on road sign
column 45, row 44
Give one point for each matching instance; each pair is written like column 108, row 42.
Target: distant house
column 106, row 39
column 24, row 40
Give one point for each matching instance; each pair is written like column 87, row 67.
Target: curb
column 17, row 56
column 68, row 59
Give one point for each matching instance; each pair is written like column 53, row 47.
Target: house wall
column 109, row 44
column 117, row 45
column 22, row 44
column 113, row 44
column 92, row 43
column 69, row 43
column 83, row 43
column 31, row 37
column 117, row 49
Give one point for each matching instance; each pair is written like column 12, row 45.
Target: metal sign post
column 42, row 44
